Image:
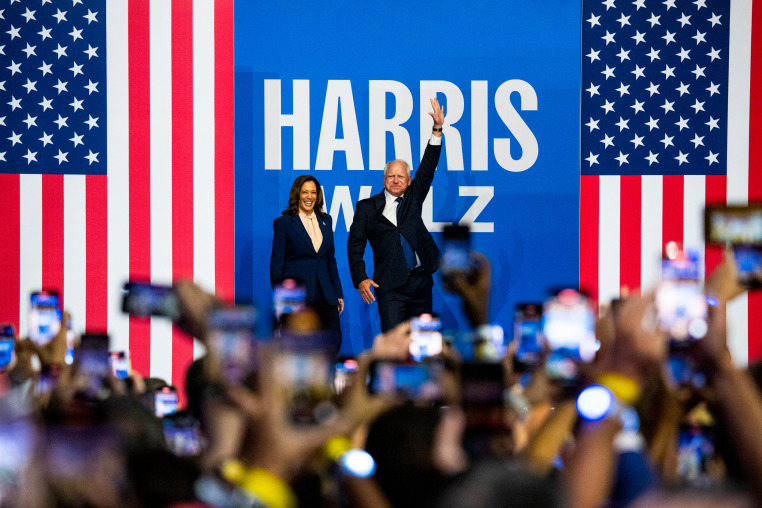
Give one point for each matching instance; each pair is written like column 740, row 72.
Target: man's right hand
column 365, row 291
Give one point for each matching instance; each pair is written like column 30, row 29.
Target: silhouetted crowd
column 636, row 403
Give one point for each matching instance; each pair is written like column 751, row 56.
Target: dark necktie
column 406, row 247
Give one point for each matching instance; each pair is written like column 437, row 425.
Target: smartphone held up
column 425, row 330
column 44, row 316
column 232, row 343
column 527, row 334
column 568, row 326
column 305, row 384
column 457, row 257
column 166, row 401
column 740, row 227
column 681, row 312
column 681, row 305
column 407, row 381
column 144, row 299
column 94, row 366
column 7, row 345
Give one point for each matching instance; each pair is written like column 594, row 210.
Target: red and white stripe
column 165, row 209
column 625, row 221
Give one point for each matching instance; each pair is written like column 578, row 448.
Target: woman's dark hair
column 293, row 196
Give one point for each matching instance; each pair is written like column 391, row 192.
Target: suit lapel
column 324, row 230
column 380, row 202
column 301, row 232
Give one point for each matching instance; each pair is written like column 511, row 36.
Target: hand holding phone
column 44, row 316
column 7, row 344
column 696, row 453
column 569, row 328
column 143, row 299
column 233, row 350
column 733, row 224
column 682, row 309
column 121, row 366
column 165, row 401
column 288, row 297
column 406, row 381
column 182, row 432
column 527, row 332
column 425, row 331
column 94, row 366
column 739, row 227
column 305, row 385
column 456, row 252
column 343, row 373
column 749, row 264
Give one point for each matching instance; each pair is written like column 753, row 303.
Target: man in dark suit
column 404, row 252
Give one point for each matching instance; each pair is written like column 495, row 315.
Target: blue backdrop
column 337, row 89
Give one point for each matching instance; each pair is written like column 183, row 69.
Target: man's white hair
column 407, row 166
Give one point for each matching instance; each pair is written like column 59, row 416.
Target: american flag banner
column 668, row 109
column 55, row 102
column 116, row 154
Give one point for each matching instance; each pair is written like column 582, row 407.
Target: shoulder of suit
column 380, row 196
column 283, row 219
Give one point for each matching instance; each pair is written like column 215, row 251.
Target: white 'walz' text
column 339, row 100
column 342, row 204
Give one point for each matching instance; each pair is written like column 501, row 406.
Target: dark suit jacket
column 369, row 224
column 294, row 257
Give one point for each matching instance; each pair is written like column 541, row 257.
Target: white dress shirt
column 313, row 230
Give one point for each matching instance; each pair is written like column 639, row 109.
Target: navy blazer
column 294, row 257
column 370, row 225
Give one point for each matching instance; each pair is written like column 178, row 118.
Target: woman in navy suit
column 303, row 250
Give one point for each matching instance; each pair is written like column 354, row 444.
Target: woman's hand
column 341, row 305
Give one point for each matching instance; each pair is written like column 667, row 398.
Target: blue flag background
column 508, row 77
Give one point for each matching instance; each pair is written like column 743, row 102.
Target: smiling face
column 396, row 178
column 307, row 197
